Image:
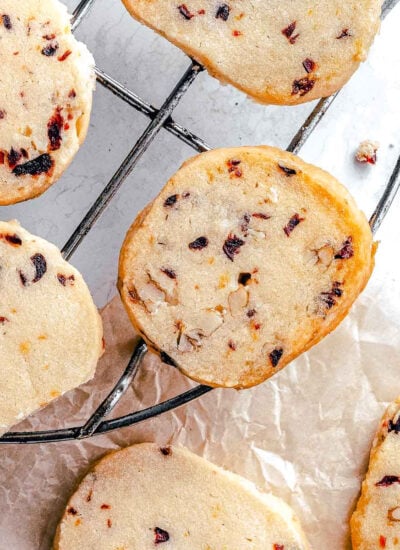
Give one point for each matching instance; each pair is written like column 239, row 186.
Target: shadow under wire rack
column 162, row 119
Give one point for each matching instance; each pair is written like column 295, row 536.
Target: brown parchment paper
column 305, row 434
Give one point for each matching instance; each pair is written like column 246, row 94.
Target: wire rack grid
column 161, row 119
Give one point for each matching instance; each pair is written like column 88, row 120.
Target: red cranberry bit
column 346, row 251
column 237, row 33
column 160, row 535
column 382, row 541
column 64, row 56
column 279, row 547
column 394, row 426
column 287, row 171
column 170, row 201
column 49, row 36
column 71, row 510
column 344, row 34
column 2, row 114
column 275, row 356
column 39, row 165
column 13, row 239
column 72, row 94
column 183, row 10
column 292, row 223
column 244, row 225
column 4, row 320
column 232, row 345
column 168, row 272
column 251, row 313
column 261, row 216
column 232, row 246
column 89, row 496
column 388, row 480
column 13, row 157
column 288, row 32
column 23, row 279
column 50, row 49
column 329, row 298
column 303, row 86
column 7, row 22
column 109, row 523
column 24, row 153
column 201, row 12
column 40, row 265
column 166, row 451
column 223, row 12
column 233, row 168
column 105, row 506
column 244, row 278
column 2, row 157
column 54, row 127
column 199, row 243
column 309, row 65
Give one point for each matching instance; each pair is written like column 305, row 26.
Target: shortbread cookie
column 376, row 522
column 145, row 496
column 46, row 92
column 247, row 258
column 50, row 330
column 276, row 51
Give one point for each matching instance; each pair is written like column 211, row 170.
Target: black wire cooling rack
column 161, row 118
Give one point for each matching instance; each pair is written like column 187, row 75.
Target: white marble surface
column 367, row 108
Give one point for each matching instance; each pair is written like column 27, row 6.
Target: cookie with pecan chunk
column 50, row 330
column 274, row 51
column 248, row 257
column 375, row 523
column 137, row 499
column 46, row 92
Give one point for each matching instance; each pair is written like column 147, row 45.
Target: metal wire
column 162, row 118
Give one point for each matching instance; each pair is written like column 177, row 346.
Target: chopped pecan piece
column 237, row 301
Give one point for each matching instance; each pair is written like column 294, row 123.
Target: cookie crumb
column 366, row 152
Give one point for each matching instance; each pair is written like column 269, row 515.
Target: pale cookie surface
column 50, row 330
column 145, row 497
column 46, row 92
column 276, row 51
column 247, row 257
column 376, row 522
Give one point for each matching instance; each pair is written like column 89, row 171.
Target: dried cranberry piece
column 251, row 313
column 71, row 510
column 23, row 279
column 394, row 426
column 183, row 10
column 34, row 167
column 288, row 171
column 223, row 12
column 329, row 298
column 279, row 547
column 160, row 535
column 233, row 168
column 54, row 127
column 309, row 65
column 166, row 451
column 165, row 358
column 292, row 223
column 344, row 34
column 382, row 541
column 2, row 114
column 64, row 56
column 62, row 279
column 303, row 86
column 105, row 506
column 232, row 345
column 275, row 356
column 244, row 224
column 50, row 49
column 346, row 251
column 261, row 216
column 13, row 239
column 288, row 32
column 109, row 523
column 4, row 320
column 40, row 265
column 170, row 201
column 168, row 272
column 232, row 246
column 7, row 22
column 199, row 243
column 13, row 157
column 244, row 278
column 388, row 480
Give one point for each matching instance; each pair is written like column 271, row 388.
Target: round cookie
column 50, row 330
column 375, row 523
column 247, row 258
column 46, row 93
column 145, row 496
column 276, row 52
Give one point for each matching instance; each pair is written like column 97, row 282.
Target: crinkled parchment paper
column 305, row 434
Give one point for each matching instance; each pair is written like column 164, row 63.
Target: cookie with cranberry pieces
column 50, row 330
column 46, row 92
column 375, row 524
column 276, row 52
column 137, row 499
column 247, row 258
